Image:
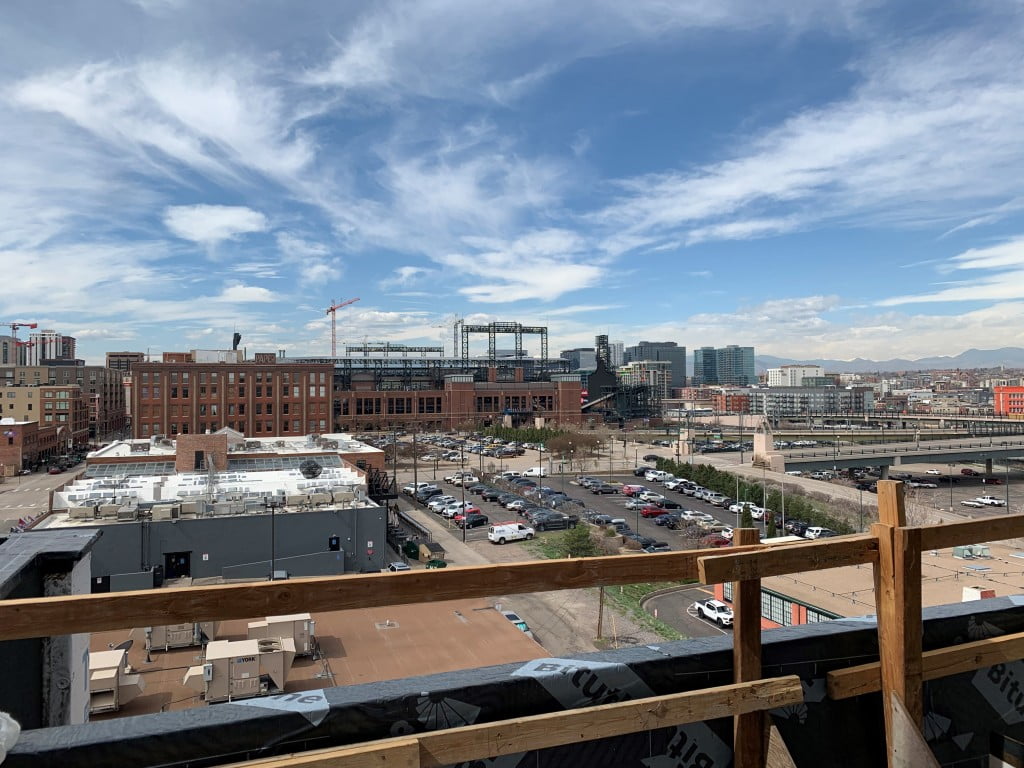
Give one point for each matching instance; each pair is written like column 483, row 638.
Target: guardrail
column 892, row 548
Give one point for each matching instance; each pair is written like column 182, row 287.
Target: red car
column 652, row 511
column 969, row 472
column 991, row 481
column 55, row 470
column 715, row 541
column 467, row 511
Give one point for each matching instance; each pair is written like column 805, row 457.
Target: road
column 24, row 496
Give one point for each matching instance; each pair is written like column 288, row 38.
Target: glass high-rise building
column 730, row 365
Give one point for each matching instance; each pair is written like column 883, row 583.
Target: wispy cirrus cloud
column 930, row 127
column 993, row 273
column 543, row 264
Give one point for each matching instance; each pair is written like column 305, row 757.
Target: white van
column 535, row 472
column 508, row 474
column 499, row 534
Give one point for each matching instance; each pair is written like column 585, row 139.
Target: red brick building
column 24, row 444
column 272, row 396
column 1008, row 402
column 258, row 397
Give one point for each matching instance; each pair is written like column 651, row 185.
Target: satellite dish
column 310, row 469
column 125, row 646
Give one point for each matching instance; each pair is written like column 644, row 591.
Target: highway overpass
column 977, row 450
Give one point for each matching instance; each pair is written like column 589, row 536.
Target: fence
column 892, row 548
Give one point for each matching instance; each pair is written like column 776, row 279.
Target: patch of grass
column 627, row 598
column 624, row 599
column 544, row 546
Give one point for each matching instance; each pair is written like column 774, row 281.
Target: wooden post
column 749, row 732
column 600, row 612
column 898, row 606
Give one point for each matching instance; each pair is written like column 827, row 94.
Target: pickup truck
column 714, row 610
column 991, row 501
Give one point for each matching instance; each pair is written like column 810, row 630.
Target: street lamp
column 951, row 466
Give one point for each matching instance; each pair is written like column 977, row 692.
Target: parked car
column 666, row 519
column 969, row 472
column 519, row 623
column 490, row 494
column 603, row 488
column 438, row 503
column 715, row 540
column 395, row 567
column 669, row 504
column 472, row 520
column 423, row 495
column 650, row 496
column 550, row 521
column 641, row 471
column 499, row 534
column 658, row 546
column 651, row 510
column 817, row 532
column 933, row 472
column 651, row 457
column 991, row 481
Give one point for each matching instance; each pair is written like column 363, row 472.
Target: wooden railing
column 892, row 548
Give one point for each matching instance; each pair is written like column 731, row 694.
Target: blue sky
column 817, row 179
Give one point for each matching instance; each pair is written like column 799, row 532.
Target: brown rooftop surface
column 850, row 591
column 360, row 646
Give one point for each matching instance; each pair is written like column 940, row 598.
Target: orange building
column 1008, row 402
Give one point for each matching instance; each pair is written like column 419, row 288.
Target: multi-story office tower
column 656, row 374
column 617, row 350
column 580, row 359
column 735, row 365
column 665, row 351
column 705, row 367
column 731, row 365
column 48, row 345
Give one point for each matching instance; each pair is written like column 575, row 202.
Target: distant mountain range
column 1009, row 357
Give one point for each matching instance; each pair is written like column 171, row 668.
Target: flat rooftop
column 850, row 592
column 359, row 646
column 252, row 445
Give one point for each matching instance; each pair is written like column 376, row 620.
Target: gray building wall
column 45, row 679
column 218, row 545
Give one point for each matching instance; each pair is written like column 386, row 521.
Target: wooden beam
column 891, row 510
column 402, row 752
column 941, row 662
column 898, row 605
column 750, row 743
column 738, row 565
column 552, row 729
column 42, row 617
column 971, row 532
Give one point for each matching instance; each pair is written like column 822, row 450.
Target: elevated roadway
column 898, row 454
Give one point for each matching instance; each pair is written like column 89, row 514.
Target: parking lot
column 613, row 505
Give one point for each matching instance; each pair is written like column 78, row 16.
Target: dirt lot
column 564, row 622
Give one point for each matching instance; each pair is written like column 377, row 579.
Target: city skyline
column 839, row 179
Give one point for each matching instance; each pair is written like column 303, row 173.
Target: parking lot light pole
column 951, row 466
column 462, row 485
column 860, row 529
